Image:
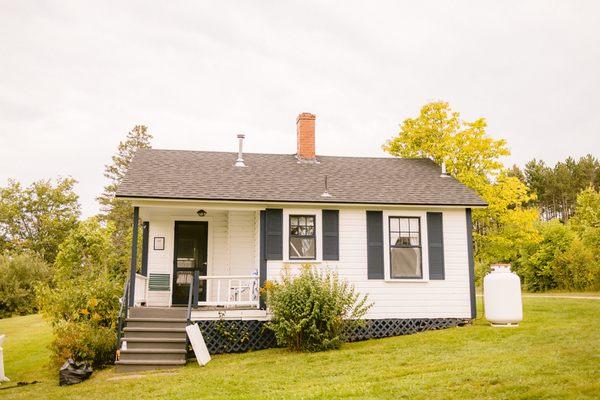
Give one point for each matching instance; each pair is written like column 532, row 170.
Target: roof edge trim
column 459, row 205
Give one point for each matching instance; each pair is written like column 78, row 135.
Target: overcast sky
column 76, row 76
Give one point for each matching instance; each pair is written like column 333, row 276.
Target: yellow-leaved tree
column 473, row 158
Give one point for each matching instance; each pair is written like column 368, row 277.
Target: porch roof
column 202, row 175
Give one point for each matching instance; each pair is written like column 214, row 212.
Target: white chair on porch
column 248, row 288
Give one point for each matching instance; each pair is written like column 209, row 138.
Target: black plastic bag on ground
column 73, row 372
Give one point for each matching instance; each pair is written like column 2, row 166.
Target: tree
column 20, row 274
column 473, row 158
column 587, row 210
column 557, row 187
column 438, row 133
column 470, row 155
column 87, row 250
column 37, row 217
column 120, row 212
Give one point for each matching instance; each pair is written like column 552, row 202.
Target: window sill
column 309, row 261
column 404, row 280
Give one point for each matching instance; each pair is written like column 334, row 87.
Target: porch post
column 134, row 239
column 195, row 288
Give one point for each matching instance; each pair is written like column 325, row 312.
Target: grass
column 555, row 353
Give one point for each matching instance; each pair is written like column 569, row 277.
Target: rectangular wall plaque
column 159, row 243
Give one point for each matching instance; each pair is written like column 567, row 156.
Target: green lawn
column 555, row 353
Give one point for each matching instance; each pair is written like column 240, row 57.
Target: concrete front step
column 131, row 366
column 157, row 333
column 154, row 343
column 156, row 322
column 158, row 312
column 153, row 355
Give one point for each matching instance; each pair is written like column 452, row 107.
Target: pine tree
column 117, row 211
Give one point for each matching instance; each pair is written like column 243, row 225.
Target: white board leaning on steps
column 198, row 344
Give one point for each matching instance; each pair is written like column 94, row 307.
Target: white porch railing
column 231, row 291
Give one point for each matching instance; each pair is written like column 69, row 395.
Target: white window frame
column 386, row 244
column 318, row 236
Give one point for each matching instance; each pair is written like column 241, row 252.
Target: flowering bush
column 83, row 304
column 313, row 310
column 84, row 341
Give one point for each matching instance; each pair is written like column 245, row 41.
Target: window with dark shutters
column 435, row 245
column 274, row 234
column 331, row 235
column 375, row 245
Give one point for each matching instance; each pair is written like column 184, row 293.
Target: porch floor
column 219, row 312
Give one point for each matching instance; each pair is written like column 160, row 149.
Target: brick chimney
column 305, row 130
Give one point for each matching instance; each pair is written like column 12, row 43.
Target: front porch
column 201, row 257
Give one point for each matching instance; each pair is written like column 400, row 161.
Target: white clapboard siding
column 394, row 299
column 242, row 237
column 233, row 250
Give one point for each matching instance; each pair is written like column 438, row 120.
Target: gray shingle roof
column 202, row 175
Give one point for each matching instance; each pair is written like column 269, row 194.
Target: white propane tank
column 502, row 296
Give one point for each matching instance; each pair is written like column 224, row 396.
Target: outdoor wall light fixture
column 201, row 213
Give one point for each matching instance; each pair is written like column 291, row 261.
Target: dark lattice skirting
column 235, row 336
column 380, row 328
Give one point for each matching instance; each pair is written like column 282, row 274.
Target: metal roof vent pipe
column 240, row 160
column 444, row 172
column 326, row 192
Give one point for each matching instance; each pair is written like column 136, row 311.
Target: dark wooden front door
column 191, row 244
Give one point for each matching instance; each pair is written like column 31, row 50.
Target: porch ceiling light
column 201, row 213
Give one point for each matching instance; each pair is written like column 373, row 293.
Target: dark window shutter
column 274, row 245
column 145, row 238
column 471, row 262
column 375, row 244
column 435, row 245
column 331, row 235
column 262, row 273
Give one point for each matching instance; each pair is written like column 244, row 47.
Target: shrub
column 84, row 302
column 83, row 313
column 83, row 341
column 537, row 265
column 20, row 274
column 313, row 310
column 577, row 269
column 90, row 298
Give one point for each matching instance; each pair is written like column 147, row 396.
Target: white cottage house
column 217, row 225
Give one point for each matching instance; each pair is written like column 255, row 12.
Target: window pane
column 405, row 262
column 310, row 231
column 414, row 239
column 294, row 230
column 404, row 224
column 294, row 221
column 301, row 221
column 302, row 247
column 403, row 240
column 394, row 225
column 394, row 239
column 414, row 225
column 310, row 221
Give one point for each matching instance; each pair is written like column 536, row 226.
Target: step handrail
column 189, row 305
column 122, row 316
